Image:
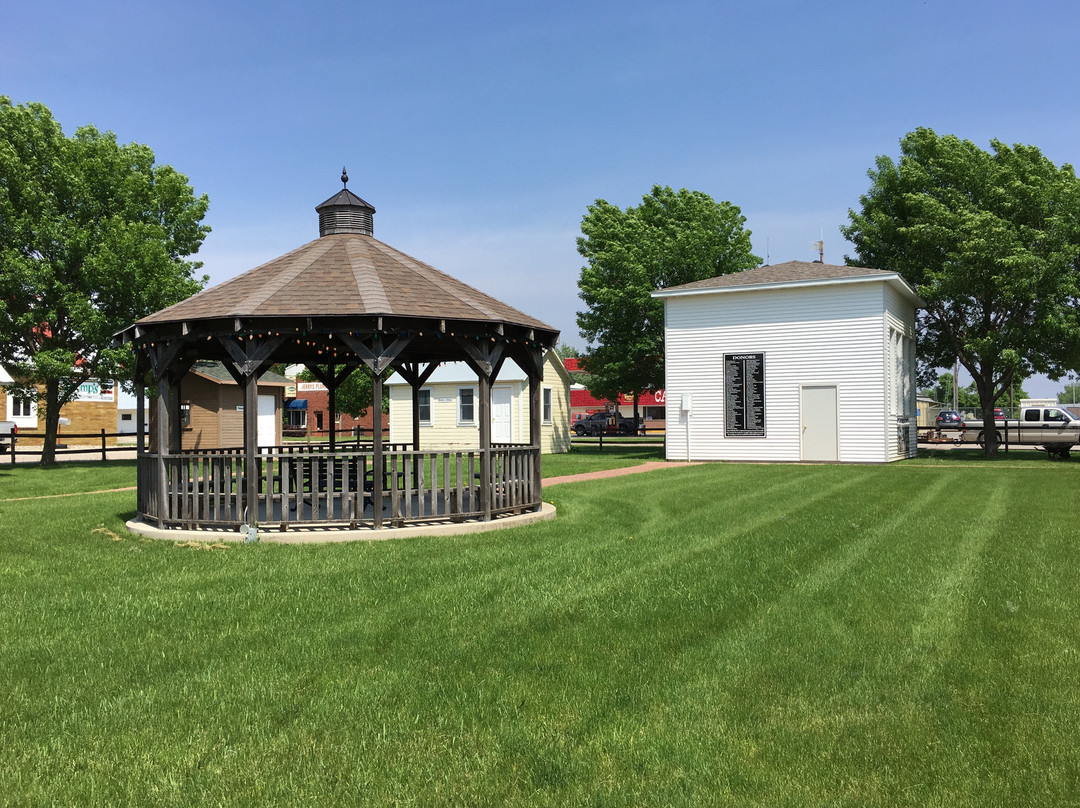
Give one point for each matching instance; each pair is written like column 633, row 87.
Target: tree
column 93, row 236
column 990, row 241
column 566, row 351
column 968, row 397
column 669, row 239
column 1071, row 393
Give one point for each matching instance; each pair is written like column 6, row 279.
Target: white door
column 502, row 427
column 819, row 427
column 266, row 425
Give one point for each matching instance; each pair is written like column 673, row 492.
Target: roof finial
column 344, row 178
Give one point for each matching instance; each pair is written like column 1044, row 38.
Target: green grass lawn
column 711, row 635
column 584, row 458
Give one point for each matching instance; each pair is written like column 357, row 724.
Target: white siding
column 899, row 332
column 829, row 335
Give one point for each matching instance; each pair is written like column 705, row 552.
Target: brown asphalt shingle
column 789, row 272
column 345, row 274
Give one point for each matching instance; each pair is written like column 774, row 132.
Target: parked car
column 948, row 419
column 8, row 430
column 598, row 423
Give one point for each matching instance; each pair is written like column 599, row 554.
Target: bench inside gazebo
column 341, row 302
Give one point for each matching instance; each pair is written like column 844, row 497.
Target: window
column 545, row 409
column 424, row 406
column 466, row 405
column 185, row 414
column 23, row 411
column 21, row 408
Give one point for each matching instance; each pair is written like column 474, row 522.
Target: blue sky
column 480, row 131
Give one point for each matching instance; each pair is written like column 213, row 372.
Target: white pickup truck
column 1051, row 428
column 8, row 429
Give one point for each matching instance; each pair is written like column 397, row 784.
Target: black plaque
column 744, row 395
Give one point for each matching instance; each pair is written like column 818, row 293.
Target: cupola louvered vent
column 345, row 212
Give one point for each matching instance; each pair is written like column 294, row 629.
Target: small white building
column 794, row 362
column 449, row 407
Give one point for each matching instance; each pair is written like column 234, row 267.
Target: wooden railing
column 305, row 485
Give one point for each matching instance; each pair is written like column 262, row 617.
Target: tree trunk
column 52, row 421
column 637, row 418
column 985, row 386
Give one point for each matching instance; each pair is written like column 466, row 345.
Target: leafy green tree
column 566, row 351
column 990, row 240
column 968, row 397
column 93, row 236
column 669, row 239
column 1071, row 393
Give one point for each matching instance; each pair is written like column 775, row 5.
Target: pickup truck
column 598, row 423
column 1053, row 429
column 8, row 430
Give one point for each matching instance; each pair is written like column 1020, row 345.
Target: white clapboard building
column 794, row 362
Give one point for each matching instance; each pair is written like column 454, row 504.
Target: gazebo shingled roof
column 344, row 275
column 345, row 280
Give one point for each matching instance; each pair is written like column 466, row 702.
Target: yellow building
column 449, row 407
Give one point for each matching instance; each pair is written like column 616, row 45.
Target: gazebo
column 342, row 301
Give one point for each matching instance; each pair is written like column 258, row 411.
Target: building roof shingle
column 790, row 273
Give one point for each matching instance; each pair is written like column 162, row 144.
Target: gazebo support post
column 331, row 407
column 161, row 359
column 377, row 357
column 415, row 417
column 485, row 360
column 246, row 365
column 484, row 416
column 161, row 444
column 140, row 416
column 332, row 380
column 251, row 447
column 535, row 412
column 410, row 372
column 535, row 372
column 176, row 438
column 378, row 468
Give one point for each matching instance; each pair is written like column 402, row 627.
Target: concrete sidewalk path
column 654, row 465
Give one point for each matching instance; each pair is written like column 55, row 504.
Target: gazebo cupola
column 345, row 212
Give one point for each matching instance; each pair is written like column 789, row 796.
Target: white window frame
column 420, row 408
column 473, row 396
column 23, row 421
column 547, row 405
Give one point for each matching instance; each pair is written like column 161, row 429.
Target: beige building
column 93, row 409
column 212, row 408
column 449, row 407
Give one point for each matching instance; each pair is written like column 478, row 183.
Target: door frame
column 803, row 419
column 509, row 391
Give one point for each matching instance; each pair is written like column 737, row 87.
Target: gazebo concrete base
column 328, row 534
